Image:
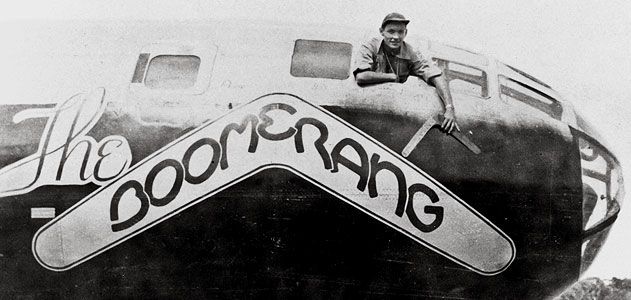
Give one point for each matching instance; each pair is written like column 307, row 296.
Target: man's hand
column 449, row 121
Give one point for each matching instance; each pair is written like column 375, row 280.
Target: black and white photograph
column 315, row 149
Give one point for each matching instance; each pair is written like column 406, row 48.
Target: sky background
column 580, row 48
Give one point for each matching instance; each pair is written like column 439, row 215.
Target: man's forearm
column 443, row 90
column 370, row 77
column 449, row 123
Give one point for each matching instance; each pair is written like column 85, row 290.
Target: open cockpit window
column 321, row 59
column 464, row 79
column 514, row 90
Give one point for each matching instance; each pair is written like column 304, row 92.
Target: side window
column 464, row 79
column 172, row 72
column 321, row 59
column 165, row 69
column 512, row 90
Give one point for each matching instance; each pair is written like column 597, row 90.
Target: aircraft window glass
column 172, row 72
column 529, row 76
column 321, row 59
column 464, row 79
column 602, row 182
column 516, row 91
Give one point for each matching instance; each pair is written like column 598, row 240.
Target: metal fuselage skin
column 275, row 234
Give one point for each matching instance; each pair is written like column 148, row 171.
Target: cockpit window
column 511, row 89
column 172, row 72
column 321, row 59
column 464, row 79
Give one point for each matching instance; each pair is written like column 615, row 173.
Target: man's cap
column 394, row 17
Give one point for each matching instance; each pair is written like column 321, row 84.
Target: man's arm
column 365, row 66
column 370, row 77
column 427, row 70
column 445, row 95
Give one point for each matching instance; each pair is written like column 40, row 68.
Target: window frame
column 554, row 109
column 443, row 64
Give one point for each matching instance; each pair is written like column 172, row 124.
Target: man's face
column 393, row 34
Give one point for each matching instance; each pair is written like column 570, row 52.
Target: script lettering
column 66, row 155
